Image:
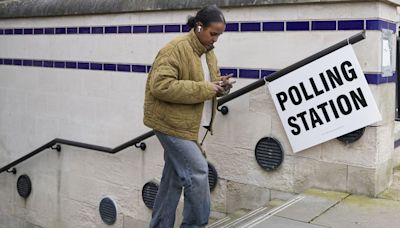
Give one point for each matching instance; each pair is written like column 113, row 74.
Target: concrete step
column 297, row 212
column 228, row 219
column 239, row 218
column 243, row 217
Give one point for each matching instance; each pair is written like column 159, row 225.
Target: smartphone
column 231, row 81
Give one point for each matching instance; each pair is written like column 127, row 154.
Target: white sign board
column 324, row 99
column 386, row 54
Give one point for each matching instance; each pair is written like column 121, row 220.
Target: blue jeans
column 185, row 167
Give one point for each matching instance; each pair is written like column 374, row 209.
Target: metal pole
column 352, row 40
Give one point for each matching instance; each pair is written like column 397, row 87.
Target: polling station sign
column 324, row 99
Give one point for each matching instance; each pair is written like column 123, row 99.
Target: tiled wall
column 242, row 27
column 267, row 26
column 137, row 68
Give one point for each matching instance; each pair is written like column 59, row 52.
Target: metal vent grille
column 108, row 211
column 24, row 186
column 269, row 153
column 352, row 136
column 149, row 193
column 212, row 176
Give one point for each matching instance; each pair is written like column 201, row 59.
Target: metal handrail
column 134, row 142
column 137, row 142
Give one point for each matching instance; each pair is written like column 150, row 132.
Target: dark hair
column 206, row 16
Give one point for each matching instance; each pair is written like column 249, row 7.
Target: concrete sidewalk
column 317, row 208
column 332, row 209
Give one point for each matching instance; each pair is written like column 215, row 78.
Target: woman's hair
column 206, row 16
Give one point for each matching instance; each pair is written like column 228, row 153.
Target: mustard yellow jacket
column 176, row 89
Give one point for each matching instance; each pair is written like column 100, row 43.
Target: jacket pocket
column 177, row 123
column 178, row 116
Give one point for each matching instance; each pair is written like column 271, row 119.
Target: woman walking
column 180, row 97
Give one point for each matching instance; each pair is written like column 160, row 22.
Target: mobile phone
column 231, row 81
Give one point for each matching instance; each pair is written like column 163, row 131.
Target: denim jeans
column 185, row 167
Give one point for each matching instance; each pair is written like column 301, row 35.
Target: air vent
column 212, row 176
column 149, row 193
column 269, row 153
column 108, row 211
column 24, row 186
column 352, row 136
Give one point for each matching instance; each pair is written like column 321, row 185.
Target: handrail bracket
column 57, row 147
column 141, row 145
column 13, row 171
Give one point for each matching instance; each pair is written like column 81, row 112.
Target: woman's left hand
column 226, row 84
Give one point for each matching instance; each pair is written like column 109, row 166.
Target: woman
column 180, row 97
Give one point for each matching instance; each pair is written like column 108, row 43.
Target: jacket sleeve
column 165, row 85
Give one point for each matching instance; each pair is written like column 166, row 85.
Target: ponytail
column 191, row 21
column 206, row 15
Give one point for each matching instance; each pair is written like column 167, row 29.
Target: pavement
column 318, row 209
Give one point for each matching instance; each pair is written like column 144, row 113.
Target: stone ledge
column 40, row 8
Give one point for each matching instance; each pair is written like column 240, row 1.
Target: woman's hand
column 226, row 84
column 217, row 87
column 225, row 81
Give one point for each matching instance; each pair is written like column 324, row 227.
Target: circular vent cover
column 212, row 176
column 352, row 136
column 149, row 193
column 24, row 186
column 108, row 211
column 269, row 153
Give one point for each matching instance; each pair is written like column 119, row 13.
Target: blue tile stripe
column 172, row 28
column 249, row 73
column 250, row 26
column 82, row 65
column 372, row 78
column 351, row 25
column 156, row 28
column 232, row 27
column 274, row 26
column 379, row 79
column 297, row 26
column 254, row 26
column 323, row 25
column 396, row 143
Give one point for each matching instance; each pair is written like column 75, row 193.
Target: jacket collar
column 195, row 43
